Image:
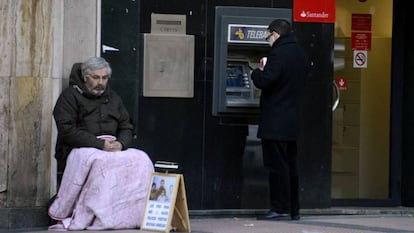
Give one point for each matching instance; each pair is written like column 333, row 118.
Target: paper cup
column 262, row 63
column 107, row 137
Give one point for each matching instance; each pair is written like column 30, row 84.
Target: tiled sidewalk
column 344, row 220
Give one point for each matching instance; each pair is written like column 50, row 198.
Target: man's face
column 96, row 81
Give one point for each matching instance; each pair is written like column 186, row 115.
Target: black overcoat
column 282, row 85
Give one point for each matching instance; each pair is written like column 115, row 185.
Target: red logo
column 322, row 11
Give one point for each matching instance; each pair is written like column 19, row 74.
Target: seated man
column 104, row 182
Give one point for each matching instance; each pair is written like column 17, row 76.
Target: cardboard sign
column 166, row 207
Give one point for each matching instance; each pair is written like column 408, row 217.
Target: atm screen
column 239, row 89
column 235, row 76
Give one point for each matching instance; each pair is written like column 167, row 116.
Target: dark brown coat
column 80, row 117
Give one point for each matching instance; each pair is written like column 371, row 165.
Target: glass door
column 361, row 120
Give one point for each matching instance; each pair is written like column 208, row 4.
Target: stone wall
column 39, row 42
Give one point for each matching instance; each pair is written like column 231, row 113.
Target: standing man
column 281, row 82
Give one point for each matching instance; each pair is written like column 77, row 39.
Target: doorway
column 361, row 120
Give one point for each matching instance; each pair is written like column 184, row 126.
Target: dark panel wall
column 405, row 46
column 315, row 143
column 120, row 27
column 209, row 151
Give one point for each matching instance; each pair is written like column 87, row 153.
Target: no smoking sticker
column 360, row 58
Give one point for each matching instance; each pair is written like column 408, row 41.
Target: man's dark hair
column 281, row 26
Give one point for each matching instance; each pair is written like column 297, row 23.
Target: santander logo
column 309, row 14
column 321, row 11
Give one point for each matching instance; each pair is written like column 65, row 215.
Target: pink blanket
column 103, row 190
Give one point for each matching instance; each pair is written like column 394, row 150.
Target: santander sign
column 321, row 11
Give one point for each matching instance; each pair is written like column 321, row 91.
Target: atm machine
column 240, row 43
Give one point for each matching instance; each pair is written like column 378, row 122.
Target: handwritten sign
column 166, row 207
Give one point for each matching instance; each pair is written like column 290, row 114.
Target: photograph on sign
column 160, row 202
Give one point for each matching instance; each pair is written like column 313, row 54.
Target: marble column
column 39, row 42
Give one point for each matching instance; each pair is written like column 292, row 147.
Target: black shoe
column 273, row 215
column 295, row 217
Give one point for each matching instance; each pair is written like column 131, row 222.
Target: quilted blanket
column 103, row 190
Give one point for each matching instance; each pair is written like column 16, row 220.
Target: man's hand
column 112, row 146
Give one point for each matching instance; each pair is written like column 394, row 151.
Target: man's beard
column 96, row 91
